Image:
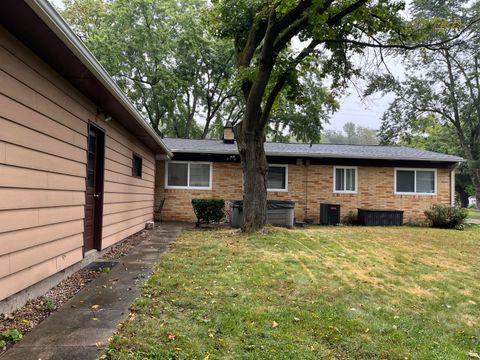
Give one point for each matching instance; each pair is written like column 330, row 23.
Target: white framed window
column 345, row 179
column 415, row 181
column 188, row 175
column 277, row 178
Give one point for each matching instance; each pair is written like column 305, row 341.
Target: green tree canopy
column 437, row 105
column 351, row 134
column 164, row 57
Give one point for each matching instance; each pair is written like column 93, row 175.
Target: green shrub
column 48, row 305
column 11, row 335
column 208, row 210
column 350, row 219
column 446, row 217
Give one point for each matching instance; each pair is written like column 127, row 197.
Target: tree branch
column 297, row 26
column 439, row 45
column 335, row 20
column 283, row 79
column 293, row 14
column 255, row 36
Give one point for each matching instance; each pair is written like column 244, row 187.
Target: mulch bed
column 35, row 311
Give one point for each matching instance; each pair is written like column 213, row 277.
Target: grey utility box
column 279, row 213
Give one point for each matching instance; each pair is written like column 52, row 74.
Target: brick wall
column 308, row 186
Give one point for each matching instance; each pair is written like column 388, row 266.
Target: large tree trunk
column 254, row 162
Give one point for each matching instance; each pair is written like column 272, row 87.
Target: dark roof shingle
column 314, row 150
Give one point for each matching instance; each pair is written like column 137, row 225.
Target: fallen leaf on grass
column 171, row 336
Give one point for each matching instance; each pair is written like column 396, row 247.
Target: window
column 416, row 181
column 345, row 179
column 188, row 175
column 277, row 178
column 137, row 166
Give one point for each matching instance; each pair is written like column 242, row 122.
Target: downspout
column 307, row 163
column 452, row 187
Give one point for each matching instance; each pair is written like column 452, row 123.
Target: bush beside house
column 208, row 210
column 446, row 217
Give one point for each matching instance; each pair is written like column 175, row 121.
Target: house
column 354, row 176
column 77, row 160
column 472, row 201
column 80, row 169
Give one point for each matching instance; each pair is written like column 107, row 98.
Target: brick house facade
column 310, row 182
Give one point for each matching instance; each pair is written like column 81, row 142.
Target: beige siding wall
column 43, row 141
column 308, row 186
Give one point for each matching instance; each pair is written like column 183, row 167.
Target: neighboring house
column 472, row 201
column 80, row 169
column 355, row 176
column 77, row 161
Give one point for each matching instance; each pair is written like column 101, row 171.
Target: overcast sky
column 365, row 113
column 352, row 109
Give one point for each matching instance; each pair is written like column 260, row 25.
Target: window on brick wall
column 188, row 175
column 277, row 178
column 345, row 179
column 416, row 181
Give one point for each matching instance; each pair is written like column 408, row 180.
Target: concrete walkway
column 78, row 331
column 473, row 221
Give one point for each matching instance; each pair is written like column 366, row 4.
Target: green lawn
column 316, row 293
column 474, row 214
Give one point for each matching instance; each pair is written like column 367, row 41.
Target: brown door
column 94, row 193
